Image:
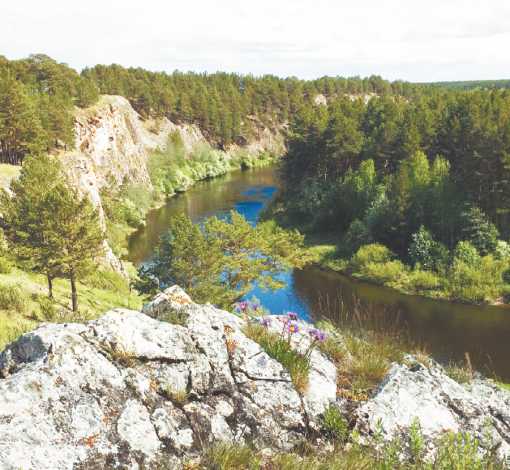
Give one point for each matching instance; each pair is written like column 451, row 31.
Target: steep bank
column 112, row 138
column 113, row 144
column 130, row 390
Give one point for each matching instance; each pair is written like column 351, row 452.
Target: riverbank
column 172, row 171
column 376, row 265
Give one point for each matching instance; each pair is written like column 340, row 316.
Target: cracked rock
column 130, row 391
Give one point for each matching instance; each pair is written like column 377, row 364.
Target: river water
column 447, row 329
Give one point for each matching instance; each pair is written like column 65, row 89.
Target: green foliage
column 10, row 332
column 229, row 455
column 477, row 283
column 222, row 262
column 14, row 296
column 480, row 232
column 467, row 253
column 374, row 253
column 416, row 440
column 334, row 425
column 384, row 273
column 358, row 235
column 422, row 281
column 458, row 372
column 502, row 250
column 287, row 357
column 428, row 253
column 54, row 232
column 37, row 96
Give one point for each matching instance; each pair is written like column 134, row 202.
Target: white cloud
column 418, row 41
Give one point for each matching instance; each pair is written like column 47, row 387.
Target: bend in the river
column 448, row 329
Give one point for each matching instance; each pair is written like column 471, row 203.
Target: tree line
column 38, row 96
column 463, row 136
column 427, row 179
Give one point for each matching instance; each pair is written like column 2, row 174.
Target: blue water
column 283, row 300
column 448, row 329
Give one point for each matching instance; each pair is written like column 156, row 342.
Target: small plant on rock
column 335, row 427
column 279, row 346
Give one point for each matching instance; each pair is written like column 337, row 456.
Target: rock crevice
column 129, row 390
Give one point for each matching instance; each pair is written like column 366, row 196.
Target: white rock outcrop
column 129, row 390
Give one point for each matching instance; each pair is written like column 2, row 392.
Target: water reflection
column 449, row 329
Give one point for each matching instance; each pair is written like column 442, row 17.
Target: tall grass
column 14, row 295
column 364, row 341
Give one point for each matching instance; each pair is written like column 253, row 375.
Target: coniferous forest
column 420, row 169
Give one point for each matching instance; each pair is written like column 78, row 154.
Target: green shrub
column 14, row 296
column 389, row 272
column 427, row 252
column 502, row 250
column 358, row 235
column 420, row 280
column 467, row 253
column 47, row 309
column 374, row 253
column 483, row 281
column 5, row 266
column 264, row 155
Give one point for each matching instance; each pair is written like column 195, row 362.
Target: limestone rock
column 129, row 390
column 441, row 405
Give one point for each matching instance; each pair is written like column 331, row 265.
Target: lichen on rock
column 128, row 390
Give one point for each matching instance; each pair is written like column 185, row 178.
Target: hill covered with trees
column 428, row 179
column 468, row 85
column 38, row 95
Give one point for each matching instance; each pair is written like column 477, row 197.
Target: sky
column 417, row 41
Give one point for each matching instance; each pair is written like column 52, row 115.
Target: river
column 447, row 329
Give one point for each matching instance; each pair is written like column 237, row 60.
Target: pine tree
column 78, row 229
column 54, row 232
column 33, row 241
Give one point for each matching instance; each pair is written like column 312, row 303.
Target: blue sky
column 427, row 40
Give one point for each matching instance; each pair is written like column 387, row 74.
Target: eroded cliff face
column 112, row 139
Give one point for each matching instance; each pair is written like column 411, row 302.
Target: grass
column 99, row 293
column 229, row 455
column 504, row 386
column 363, row 342
column 7, row 173
column 454, row 451
column 280, row 351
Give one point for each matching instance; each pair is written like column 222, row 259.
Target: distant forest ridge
column 468, row 85
column 38, row 96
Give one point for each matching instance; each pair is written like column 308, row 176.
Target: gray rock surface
column 129, row 390
column 441, row 405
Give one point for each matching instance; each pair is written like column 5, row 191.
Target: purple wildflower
column 215, row 306
column 254, row 307
column 242, row 306
column 321, row 336
column 299, row 355
column 292, row 328
column 285, row 319
column 293, row 316
column 267, row 322
column 313, row 332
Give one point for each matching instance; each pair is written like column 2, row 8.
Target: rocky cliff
column 111, row 138
column 128, row 390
